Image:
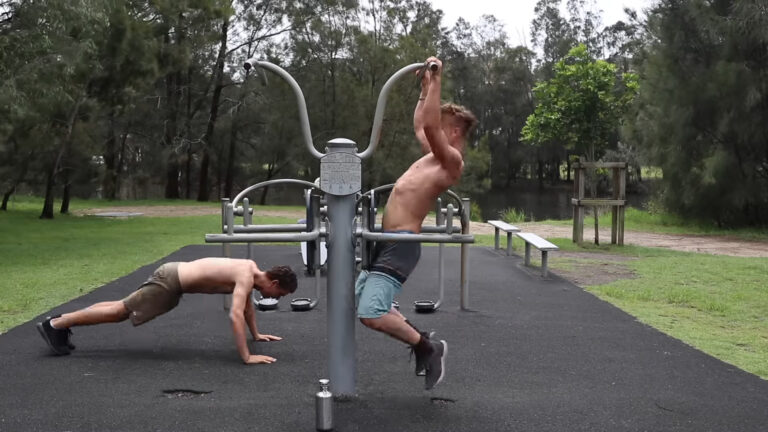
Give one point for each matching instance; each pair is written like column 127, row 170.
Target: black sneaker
column 421, row 360
column 69, row 332
column 436, row 364
column 56, row 338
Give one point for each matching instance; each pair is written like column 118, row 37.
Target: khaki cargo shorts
column 159, row 294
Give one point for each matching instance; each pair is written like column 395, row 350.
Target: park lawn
column 717, row 304
column 663, row 223
column 49, row 262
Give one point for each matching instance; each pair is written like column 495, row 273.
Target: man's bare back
column 216, row 275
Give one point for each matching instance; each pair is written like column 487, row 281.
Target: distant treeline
column 144, row 99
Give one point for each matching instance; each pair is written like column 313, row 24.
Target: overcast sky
column 518, row 14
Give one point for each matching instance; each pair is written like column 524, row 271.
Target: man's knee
column 117, row 311
column 371, row 323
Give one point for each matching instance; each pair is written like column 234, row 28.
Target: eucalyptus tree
column 703, row 108
column 551, row 34
column 494, row 80
column 127, row 69
column 50, row 52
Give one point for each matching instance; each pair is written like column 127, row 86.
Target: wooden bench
column 509, row 229
column 539, row 243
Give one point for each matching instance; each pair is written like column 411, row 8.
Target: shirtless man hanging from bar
column 442, row 133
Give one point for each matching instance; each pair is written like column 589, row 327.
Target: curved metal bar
column 302, row 104
column 271, row 182
column 381, row 105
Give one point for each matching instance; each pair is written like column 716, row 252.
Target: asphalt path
column 534, row 354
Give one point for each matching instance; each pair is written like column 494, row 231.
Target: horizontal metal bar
column 262, row 238
column 597, row 202
column 435, row 229
column 418, row 238
column 284, row 228
column 600, row 165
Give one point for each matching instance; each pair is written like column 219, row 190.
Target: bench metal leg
column 527, row 254
column 544, row 263
column 509, row 243
column 496, row 239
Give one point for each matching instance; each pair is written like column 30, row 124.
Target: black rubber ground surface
column 534, row 355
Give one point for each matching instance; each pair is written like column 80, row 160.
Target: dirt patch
column 588, row 268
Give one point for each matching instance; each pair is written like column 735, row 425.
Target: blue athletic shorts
column 374, row 293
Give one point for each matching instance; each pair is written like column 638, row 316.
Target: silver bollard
column 324, row 407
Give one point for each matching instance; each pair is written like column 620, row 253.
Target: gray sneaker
column 421, row 360
column 436, row 365
column 57, row 339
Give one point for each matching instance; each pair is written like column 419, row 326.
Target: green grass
column 512, row 215
column 49, row 262
column 24, row 202
column 664, row 223
column 717, row 304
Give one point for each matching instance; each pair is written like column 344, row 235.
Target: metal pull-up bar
column 302, row 104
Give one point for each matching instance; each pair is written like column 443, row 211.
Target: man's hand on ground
column 266, row 338
column 258, row 359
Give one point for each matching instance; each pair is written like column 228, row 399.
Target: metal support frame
column 340, row 181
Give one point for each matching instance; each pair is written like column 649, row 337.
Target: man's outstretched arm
column 237, row 316
column 250, row 319
column 438, row 142
column 418, row 116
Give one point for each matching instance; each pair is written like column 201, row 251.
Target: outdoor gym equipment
column 444, row 224
column 340, row 184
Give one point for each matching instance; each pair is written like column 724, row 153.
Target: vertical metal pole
column 465, row 217
column 341, row 297
column 247, row 221
column 227, row 219
column 527, row 253
column 440, row 220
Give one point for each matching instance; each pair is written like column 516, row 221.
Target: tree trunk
column 17, row 181
column 47, row 212
column 64, row 209
column 202, row 192
column 188, row 133
column 6, row 197
column 169, row 136
column 120, row 164
column 172, row 83
column 108, row 183
column 230, row 171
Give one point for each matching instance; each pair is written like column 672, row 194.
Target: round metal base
column 424, row 306
column 267, row 303
column 301, row 304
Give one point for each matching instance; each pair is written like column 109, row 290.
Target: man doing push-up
column 163, row 290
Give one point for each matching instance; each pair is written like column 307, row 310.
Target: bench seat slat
column 536, row 241
column 504, row 226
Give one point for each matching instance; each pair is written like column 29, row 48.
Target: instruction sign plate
column 340, row 173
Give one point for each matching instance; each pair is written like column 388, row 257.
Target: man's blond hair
column 461, row 115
